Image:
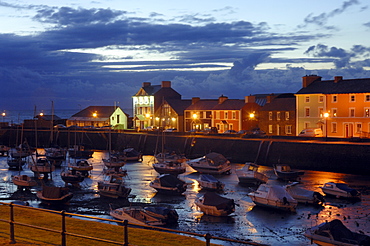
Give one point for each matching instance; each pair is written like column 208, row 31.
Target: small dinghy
column 249, row 175
column 213, row 204
column 284, row 172
column 207, row 181
column 212, row 163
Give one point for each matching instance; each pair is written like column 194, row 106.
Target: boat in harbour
column 151, row 216
column 207, row 181
column 170, row 167
column 15, row 163
column 250, row 175
column 82, row 166
column 284, row 172
column 51, row 195
column 168, row 184
column 273, row 196
column 24, row 181
column 340, row 190
column 213, row 204
column 113, row 186
column 335, row 233
column 212, row 163
column 72, row 177
column 304, row 195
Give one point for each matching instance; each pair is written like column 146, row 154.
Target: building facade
column 341, row 108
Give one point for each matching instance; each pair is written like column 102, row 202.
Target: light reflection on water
column 247, row 223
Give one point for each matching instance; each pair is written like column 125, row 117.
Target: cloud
column 322, row 19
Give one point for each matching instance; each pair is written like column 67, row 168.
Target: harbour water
column 249, row 222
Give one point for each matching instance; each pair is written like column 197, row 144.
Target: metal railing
column 64, row 233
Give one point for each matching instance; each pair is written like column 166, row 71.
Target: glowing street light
column 3, row 114
column 95, row 114
column 326, row 116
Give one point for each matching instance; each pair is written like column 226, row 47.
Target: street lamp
column 195, row 116
column 326, row 116
column 3, row 114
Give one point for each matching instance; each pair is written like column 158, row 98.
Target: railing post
column 11, row 224
column 125, row 232
column 63, row 232
column 208, row 239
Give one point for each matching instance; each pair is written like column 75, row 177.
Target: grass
column 32, row 236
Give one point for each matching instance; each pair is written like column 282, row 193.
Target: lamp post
column 326, row 115
column 3, row 114
column 195, row 116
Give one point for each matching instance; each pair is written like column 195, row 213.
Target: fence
column 64, row 233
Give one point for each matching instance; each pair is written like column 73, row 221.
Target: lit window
column 334, row 112
column 358, row 128
column 270, row 128
column 286, row 115
column 367, row 112
column 270, row 115
column 321, row 112
column 288, row 129
column 278, row 115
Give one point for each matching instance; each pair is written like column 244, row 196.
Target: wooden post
column 11, row 224
column 208, row 239
column 125, row 232
column 63, row 231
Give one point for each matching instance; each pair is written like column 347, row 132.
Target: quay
column 320, row 154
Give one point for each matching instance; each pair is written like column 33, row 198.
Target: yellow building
column 341, row 108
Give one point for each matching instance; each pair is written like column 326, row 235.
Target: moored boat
column 15, row 163
column 168, row 184
column 82, row 166
column 72, row 177
column 335, row 233
column 249, row 174
column 273, row 196
column 207, row 181
column 284, row 172
column 42, row 165
column 54, row 195
column 131, row 154
column 212, row 163
column 213, row 204
column 113, row 186
column 340, row 190
column 170, row 167
column 303, row 195
column 24, row 181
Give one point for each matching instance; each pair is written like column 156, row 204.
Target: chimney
column 146, row 84
column 166, row 84
column 195, row 100
column 270, row 97
column 222, row 99
column 250, row 99
column 337, row 79
column 308, row 79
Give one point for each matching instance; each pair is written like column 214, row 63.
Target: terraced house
column 340, row 107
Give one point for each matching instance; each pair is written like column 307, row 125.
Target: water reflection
column 247, row 223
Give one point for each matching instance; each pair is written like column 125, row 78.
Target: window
column 118, row 118
column 234, row 115
column 334, row 112
column 278, row 115
column 352, row 98
column 307, row 112
column 321, row 112
column 307, row 125
column 231, row 127
column 321, row 99
column 218, row 126
column 226, row 115
column 270, row 115
column 351, row 112
column 367, row 98
column 218, row 115
column 334, row 127
column 270, row 128
column 367, row 112
column 358, row 127
column 288, row 129
column 307, row 99
column 335, row 98
column 286, row 115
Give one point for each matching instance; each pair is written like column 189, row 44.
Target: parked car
column 212, row 130
column 59, row 126
column 170, row 130
column 311, row 132
column 150, row 128
column 229, row 132
column 253, row 133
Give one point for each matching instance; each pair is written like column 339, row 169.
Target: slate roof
column 48, row 117
column 230, row 104
column 203, row 104
column 344, row 86
column 102, row 111
column 283, row 102
column 179, row 105
column 152, row 89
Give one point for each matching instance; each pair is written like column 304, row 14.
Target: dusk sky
column 99, row 52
